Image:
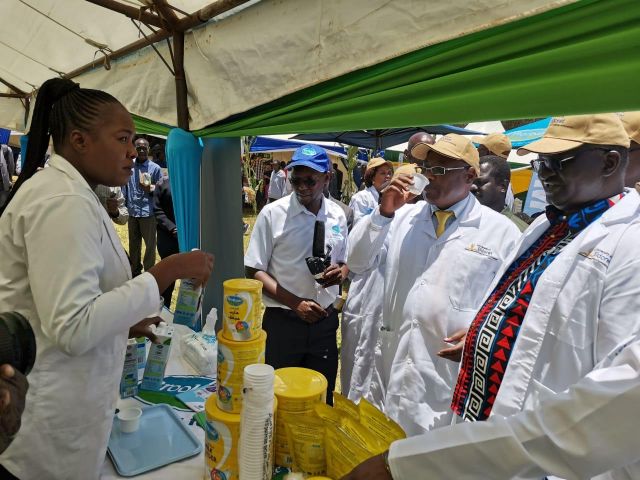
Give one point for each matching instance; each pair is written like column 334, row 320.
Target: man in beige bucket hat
column 563, row 309
column 437, row 258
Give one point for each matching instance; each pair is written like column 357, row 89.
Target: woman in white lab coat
column 63, row 267
column 362, row 310
column 378, row 172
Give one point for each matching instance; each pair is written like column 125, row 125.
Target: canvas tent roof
column 320, row 65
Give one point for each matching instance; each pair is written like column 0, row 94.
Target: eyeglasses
column 555, row 163
column 442, row 170
column 309, row 182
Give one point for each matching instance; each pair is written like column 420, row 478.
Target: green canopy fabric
column 580, row 58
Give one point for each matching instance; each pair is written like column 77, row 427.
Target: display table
column 179, row 376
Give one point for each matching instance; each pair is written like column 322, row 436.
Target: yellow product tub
column 232, row 358
column 242, row 309
column 222, row 438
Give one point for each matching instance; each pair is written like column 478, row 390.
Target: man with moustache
column 439, row 259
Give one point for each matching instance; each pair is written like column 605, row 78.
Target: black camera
column 17, row 342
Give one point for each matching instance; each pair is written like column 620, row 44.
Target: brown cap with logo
column 452, row 146
column 497, row 143
column 567, row 133
column 631, row 122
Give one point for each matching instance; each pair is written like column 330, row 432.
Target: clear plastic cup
column 419, row 183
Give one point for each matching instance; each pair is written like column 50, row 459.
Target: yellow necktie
column 442, row 216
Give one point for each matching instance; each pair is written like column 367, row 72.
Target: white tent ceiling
column 258, row 52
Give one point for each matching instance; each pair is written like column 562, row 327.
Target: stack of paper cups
column 257, row 423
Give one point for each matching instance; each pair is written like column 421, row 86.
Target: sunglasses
column 556, row 163
column 309, row 182
column 437, row 171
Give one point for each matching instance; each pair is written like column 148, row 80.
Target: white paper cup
column 419, row 183
column 129, row 419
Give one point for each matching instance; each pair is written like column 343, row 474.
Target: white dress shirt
column 277, row 185
column 282, row 238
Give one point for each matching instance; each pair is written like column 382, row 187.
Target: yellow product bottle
column 242, row 319
column 222, row 438
column 232, row 358
column 298, row 390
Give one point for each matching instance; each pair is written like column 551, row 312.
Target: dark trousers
column 167, row 245
column 142, row 228
column 292, row 342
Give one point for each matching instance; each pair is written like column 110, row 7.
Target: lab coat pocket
column 537, row 393
column 577, row 303
column 471, row 276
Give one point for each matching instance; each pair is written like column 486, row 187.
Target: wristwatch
column 385, row 459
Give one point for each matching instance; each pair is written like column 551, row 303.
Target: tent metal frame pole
column 131, row 12
column 201, row 16
column 182, row 104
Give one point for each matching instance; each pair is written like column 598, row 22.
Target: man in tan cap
column 631, row 122
column 438, row 259
column 565, row 305
column 493, row 144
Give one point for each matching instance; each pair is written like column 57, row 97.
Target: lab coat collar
column 295, row 208
column 60, row 163
column 468, row 212
column 374, row 193
column 63, row 165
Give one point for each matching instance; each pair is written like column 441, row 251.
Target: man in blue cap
column 298, row 251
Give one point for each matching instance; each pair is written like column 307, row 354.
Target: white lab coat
column 432, row 288
column 585, row 305
column 589, row 429
column 364, row 203
column 62, row 266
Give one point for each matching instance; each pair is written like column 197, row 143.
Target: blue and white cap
column 311, row 156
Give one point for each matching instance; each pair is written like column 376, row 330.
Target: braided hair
column 61, row 106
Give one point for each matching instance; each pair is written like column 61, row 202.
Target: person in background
column 8, row 156
column 631, row 122
column 493, row 144
column 63, row 267
column 13, row 390
column 138, row 194
column 420, row 137
column 113, row 202
column 335, row 185
column 565, row 306
column 491, row 185
column 5, row 180
column 277, row 182
column 159, row 158
column 166, row 228
column 439, row 258
column 378, row 173
column 348, row 211
column 299, row 317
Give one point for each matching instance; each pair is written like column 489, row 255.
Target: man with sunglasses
column 537, row 357
column 138, row 195
column 439, row 259
column 299, row 318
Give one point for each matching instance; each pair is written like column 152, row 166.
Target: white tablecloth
column 192, row 468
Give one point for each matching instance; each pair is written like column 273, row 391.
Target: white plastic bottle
column 201, row 349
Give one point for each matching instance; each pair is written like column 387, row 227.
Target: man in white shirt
column 277, row 182
column 440, row 257
column 299, row 319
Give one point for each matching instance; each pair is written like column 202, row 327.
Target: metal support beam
column 182, row 104
column 13, row 95
column 202, row 16
column 165, row 11
column 131, row 12
column 221, row 215
column 13, row 87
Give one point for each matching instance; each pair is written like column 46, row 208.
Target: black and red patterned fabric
column 494, row 330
